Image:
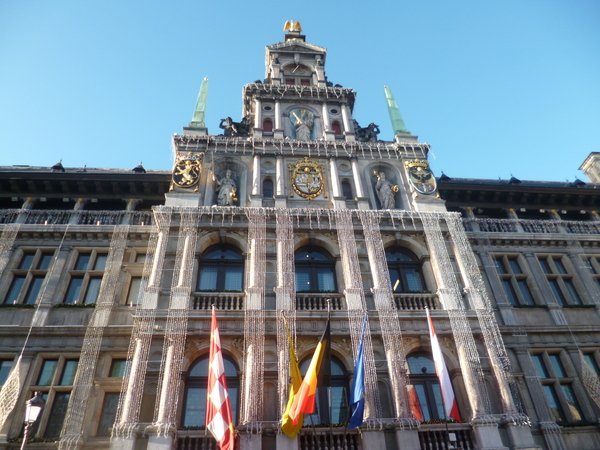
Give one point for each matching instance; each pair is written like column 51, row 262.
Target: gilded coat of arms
column 420, row 176
column 186, row 172
column 307, row 178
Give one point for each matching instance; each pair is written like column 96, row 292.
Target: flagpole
column 329, row 387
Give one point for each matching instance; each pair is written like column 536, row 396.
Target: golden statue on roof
column 292, row 25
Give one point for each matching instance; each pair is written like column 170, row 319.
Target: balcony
column 456, row 436
column 223, row 301
column 314, row 301
column 415, row 301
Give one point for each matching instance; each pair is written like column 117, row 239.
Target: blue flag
column 357, row 401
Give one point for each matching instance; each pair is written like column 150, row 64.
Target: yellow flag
column 287, row 425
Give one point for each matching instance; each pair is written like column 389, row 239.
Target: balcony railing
column 532, row 226
column 437, row 437
column 198, row 442
column 326, row 438
column 224, row 301
column 318, row 301
column 81, row 217
column 411, row 302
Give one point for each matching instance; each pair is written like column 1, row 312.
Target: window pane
column 34, row 289
column 396, row 281
column 574, row 408
column 560, row 298
column 5, row 367
column 422, row 397
column 47, row 372
column 573, row 292
column 57, row 414
column 557, row 412
column 45, row 261
column 499, row 266
column 26, row 261
column 201, row 369
column 557, row 366
column 545, row 266
column 514, row 266
column 82, row 261
column 208, row 278
column 560, row 266
column 267, row 188
column 510, row 292
column 69, row 371
column 233, row 279
column 195, row 407
column 74, row 290
column 539, row 366
column 589, row 358
column 413, row 279
column 15, row 289
column 100, row 263
column 117, row 368
column 416, row 364
column 140, row 258
column 325, row 280
column 437, row 397
column 339, row 404
column 525, row 292
column 134, row 290
column 346, row 190
column 92, row 291
column 303, row 279
column 109, row 413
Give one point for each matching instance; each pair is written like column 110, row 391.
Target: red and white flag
column 218, row 407
column 450, row 404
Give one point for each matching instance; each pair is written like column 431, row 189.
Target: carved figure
column 234, row 129
column 227, row 189
column 385, row 191
column 303, row 125
column 368, row 134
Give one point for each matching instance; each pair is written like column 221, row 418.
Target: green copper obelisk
column 200, row 111
column 395, row 116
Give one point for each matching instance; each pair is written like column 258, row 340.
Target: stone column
column 256, row 196
column 278, row 130
column 362, row 200
column 348, row 125
column 280, row 197
column 339, row 202
column 258, row 126
column 327, row 131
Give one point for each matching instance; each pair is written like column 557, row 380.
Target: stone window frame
column 518, row 281
column 89, row 273
column 561, row 278
column 28, row 275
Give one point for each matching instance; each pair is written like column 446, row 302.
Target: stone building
column 108, row 277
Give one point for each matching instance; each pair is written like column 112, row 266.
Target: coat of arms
column 420, row 176
column 307, row 178
column 186, row 172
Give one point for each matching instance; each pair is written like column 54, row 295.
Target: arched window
column 339, row 396
column 267, row 188
column 421, row 369
column 405, row 270
column 221, row 269
column 267, row 125
column 194, row 401
column 347, row 190
column 337, row 129
column 315, row 270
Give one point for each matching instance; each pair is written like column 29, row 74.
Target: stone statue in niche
column 385, row 191
column 303, row 122
column 235, row 129
column 368, row 134
column 226, row 195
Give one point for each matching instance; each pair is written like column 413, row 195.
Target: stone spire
column 395, row 116
column 200, row 111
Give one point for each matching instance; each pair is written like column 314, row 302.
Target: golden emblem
column 186, row 172
column 307, row 178
column 420, row 176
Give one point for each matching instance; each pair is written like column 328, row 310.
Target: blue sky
column 496, row 87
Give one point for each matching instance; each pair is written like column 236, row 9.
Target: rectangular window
column 82, row 261
column 15, row 289
column 208, row 278
column 233, row 278
column 74, row 290
column 108, row 413
column 47, row 373
column 553, row 403
column 140, row 258
column 514, row 266
column 34, row 289
column 57, row 414
column 27, row 261
column 572, row 403
column 91, row 296
column 86, row 278
column 28, row 277
column 591, row 361
column 525, row 292
column 117, row 368
column 559, row 370
column 5, row 366
column 514, row 280
column 134, row 290
column 560, row 298
column 539, row 366
column 100, row 263
column 69, row 371
column 510, row 292
column 45, row 261
column 562, row 283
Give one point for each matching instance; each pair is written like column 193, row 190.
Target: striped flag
column 288, row 428
column 357, row 392
column 304, row 402
column 450, row 405
column 218, row 408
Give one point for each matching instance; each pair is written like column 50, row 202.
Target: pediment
column 296, row 46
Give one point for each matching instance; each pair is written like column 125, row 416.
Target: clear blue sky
column 496, row 87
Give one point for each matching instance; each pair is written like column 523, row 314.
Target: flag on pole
column 218, row 408
column 357, row 401
column 415, row 405
column 450, row 405
column 287, row 426
column 304, row 401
